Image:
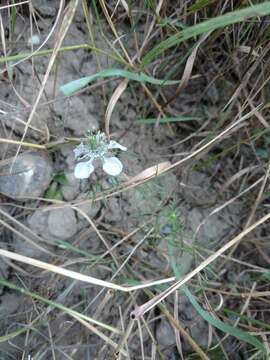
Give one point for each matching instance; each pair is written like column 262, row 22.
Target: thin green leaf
column 12, row 335
column 226, row 328
column 61, row 179
column 206, row 26
column 53, row 192
column 249, row 319
column 73, row 86
column 166, row 120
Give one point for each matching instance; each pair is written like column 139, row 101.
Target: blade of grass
column 12, row 335
column 73, row 86
column 11, row 58
column 226, row 328
column 206, row 26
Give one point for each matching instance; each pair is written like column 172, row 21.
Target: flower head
column 96, row 147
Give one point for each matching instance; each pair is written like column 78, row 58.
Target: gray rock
column 31, row 175
column 38, row 222
column 62, row 223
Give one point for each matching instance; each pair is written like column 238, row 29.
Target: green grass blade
column 73, row 86
column 166, row 120
column 206, row 26
column 226, row 328
column 12, row 335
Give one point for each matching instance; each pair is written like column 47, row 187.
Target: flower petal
column 83, row 170
column 112, row 166
column 115, row 145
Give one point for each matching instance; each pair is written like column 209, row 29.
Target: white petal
column 112, row 166
column 83, row 170
column 116, row 145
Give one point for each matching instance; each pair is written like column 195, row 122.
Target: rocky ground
column 57, row 232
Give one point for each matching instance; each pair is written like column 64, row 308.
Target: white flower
column 112, row 166
column 83, row 170
column 115, row 145
column 97, row 147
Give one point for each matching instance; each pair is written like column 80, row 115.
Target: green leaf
column 226, row 328
column 61, row 179
column 53, row 193
column 166, row 120
column 249, row 319
column 265, row 276
column 206, row 26
column 73, row 86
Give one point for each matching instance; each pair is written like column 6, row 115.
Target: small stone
column 62, row 223
column 38, row 222
column 31, row 175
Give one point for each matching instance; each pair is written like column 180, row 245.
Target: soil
column 195, row 193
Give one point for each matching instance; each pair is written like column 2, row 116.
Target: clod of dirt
column 190, row 320
column 9, row 304
column 29, row 176
column 55, row 224
column 198, row 190
column 165, row 335
column 62, row 223
column 72, row 189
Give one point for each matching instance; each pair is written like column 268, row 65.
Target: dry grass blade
column 12, row 5
column 25, row 144
column 115, row 97
column 78, row 276
column 188, row 69
column 149, row 173
column 100, row 334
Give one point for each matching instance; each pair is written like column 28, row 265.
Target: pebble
column 62, row 223
column 58, row 224
column 31, row 175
